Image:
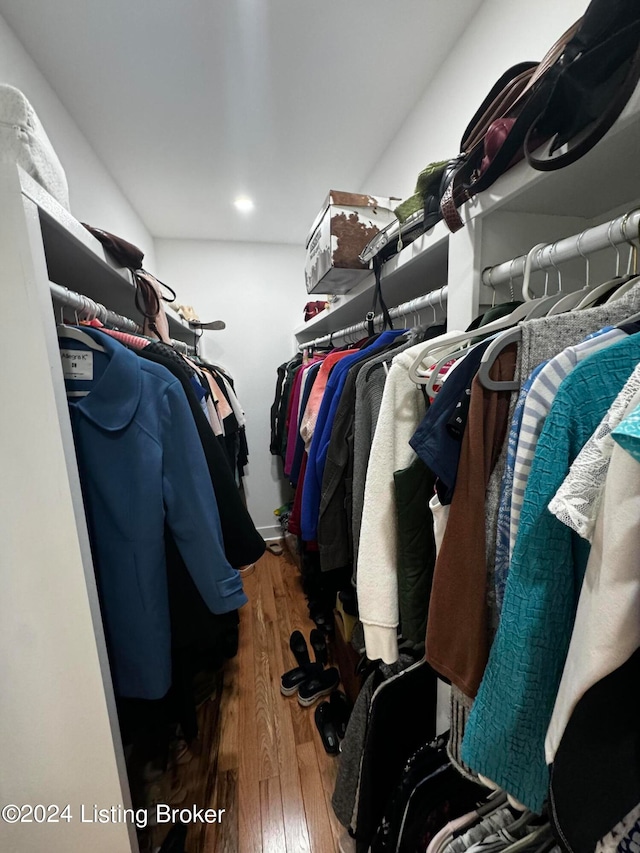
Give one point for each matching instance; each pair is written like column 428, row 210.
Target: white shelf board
column 607, row 177
column 419, row 268
column 77, row 261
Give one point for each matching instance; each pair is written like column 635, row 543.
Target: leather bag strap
column 378, row 300
column 602, row 124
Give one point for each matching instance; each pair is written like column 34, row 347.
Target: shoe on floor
column 291, row 680
column 340, row 712
column 318, row 686
column 326, row 726
column 298, row 646
column 319, row 644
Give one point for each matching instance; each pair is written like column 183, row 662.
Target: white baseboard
column 272, row 532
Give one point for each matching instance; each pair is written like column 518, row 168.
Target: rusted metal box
column 344, row 226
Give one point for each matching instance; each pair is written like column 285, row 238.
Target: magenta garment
column 292, row 425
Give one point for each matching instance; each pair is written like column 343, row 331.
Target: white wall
column 95, row 197
column 503, row 33
column 258, row 290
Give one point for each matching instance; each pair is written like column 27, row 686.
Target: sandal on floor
column 298, row 646
column 327, row 729
column 340, row 712
column 318, row 686
column 275, row 548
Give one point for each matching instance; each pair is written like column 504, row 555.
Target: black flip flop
column 319, row 645
column 327, row 729
column 298, row 646
column 340, row 711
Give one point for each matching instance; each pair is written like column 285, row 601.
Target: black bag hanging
column 593, row 80
column 378, row 300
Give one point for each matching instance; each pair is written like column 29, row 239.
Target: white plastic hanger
column 542, row 305
column 601, row 289
column 78, row 335
column 541, row 309
column 537, row 308
column 632, row 262
column 623, row 289
column 569, row 300
column 437, row 345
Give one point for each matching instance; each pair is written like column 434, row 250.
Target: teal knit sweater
column 504, row 739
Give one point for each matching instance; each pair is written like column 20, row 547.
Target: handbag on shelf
column 575, row 94
column 312, row 309
column 149, row 290
column 122, row 251
column 493, row 141
column 592, row 81
column 416, row 215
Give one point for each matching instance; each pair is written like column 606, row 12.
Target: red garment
column 293, row 419
column 133, row 341
column 294, row 519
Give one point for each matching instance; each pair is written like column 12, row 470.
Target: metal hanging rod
column 588, row 242
column 87, row 309
column 430, row 300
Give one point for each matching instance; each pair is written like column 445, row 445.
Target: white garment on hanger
column 607, row 627
column 440, row 518
column 577, row 501
column 233, row 399
column 401, row 411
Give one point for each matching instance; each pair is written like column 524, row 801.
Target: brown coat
column 458, row 628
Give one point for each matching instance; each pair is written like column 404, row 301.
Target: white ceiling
column 191, row 103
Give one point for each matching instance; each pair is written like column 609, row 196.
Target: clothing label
column 77, row 364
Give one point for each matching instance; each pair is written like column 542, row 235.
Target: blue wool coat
column 141, row 464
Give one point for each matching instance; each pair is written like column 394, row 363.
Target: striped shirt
column 536, row 409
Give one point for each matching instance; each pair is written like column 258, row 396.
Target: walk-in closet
column 319, row 426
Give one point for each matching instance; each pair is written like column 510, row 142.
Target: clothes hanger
column 514, row 335
column 632, row 277
column 601, row 289
column 541, row 834
column 75, row 333
column 437, row 344
column 496, row 800
column 569, row 300
column 546, row 301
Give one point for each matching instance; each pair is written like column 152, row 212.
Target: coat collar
column 114, row 398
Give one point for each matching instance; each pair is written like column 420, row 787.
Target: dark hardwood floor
column 259, row 755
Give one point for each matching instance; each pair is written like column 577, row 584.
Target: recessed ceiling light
column 244, row 204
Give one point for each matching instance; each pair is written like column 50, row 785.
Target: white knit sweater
column 401, row 411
